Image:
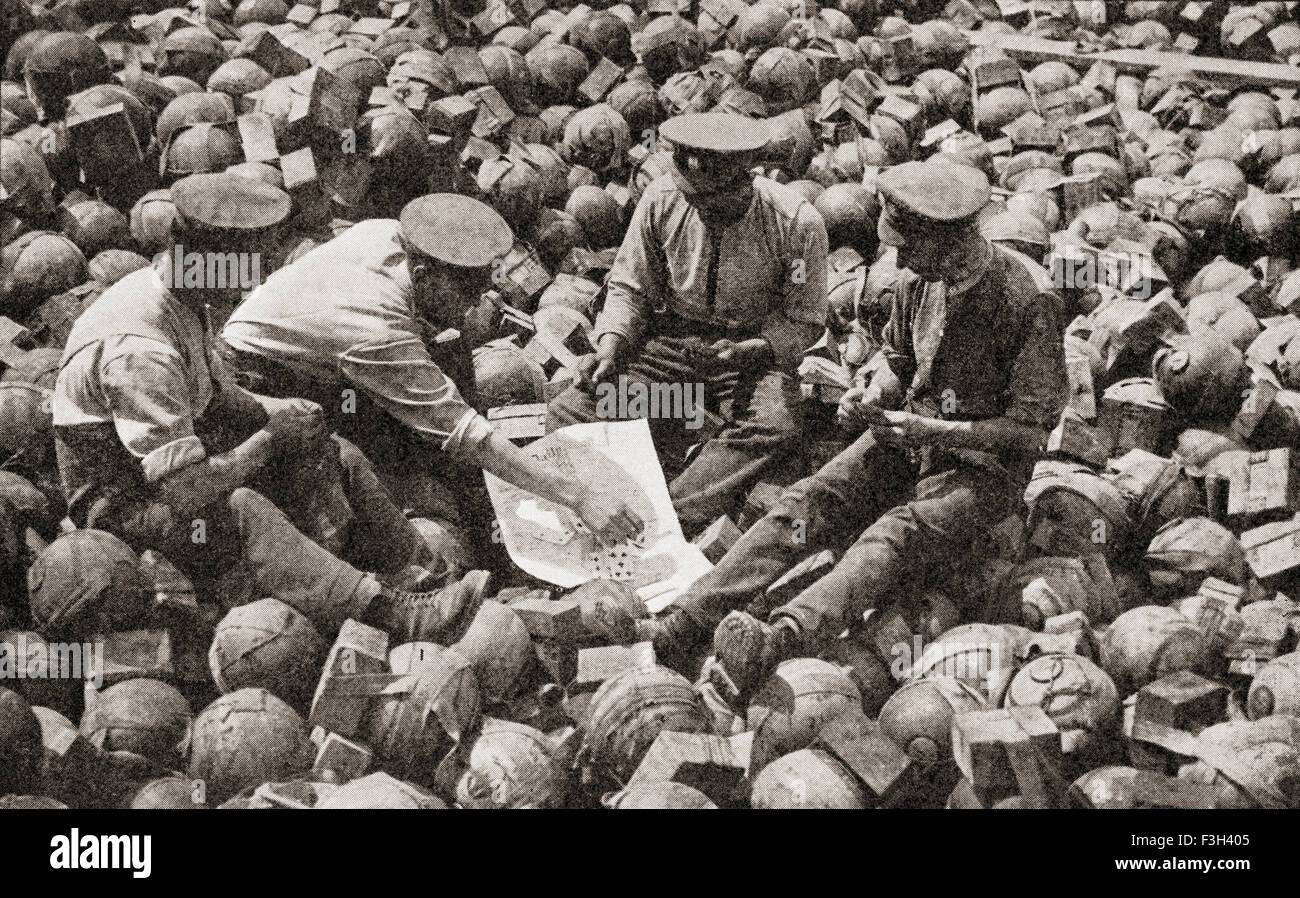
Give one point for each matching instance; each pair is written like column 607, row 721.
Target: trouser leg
column 727, row 466
column 821, row 511
column 381, row 538
column 285, row 564
column 950, row 511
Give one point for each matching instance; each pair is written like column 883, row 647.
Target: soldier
column 971, row 378
column 721, row 274
column 380, row 294
column 157, row 446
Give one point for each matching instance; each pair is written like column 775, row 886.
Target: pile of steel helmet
column 1138, row 626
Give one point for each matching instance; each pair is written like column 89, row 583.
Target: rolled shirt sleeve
column 801, row 319
column 1039, row 386
column 403, row 380
column 638, row 275
column 148, row 397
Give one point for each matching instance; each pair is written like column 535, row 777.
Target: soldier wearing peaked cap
column 158, row 446
column 360, row 324
column 721, row 274
column 956, row 405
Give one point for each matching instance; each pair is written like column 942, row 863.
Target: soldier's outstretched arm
column 609, row 518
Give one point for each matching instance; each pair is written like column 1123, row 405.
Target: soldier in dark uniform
column 721, row 274
column 960, row 401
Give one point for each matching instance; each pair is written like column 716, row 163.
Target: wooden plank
column 1026, row 48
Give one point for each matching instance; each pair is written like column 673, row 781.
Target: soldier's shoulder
column 784, row 201
column 1025, row 280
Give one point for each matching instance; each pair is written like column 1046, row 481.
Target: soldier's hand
column 604, row 365
column 298, row 420
column 741, row 354
column 855, row 413
column 905, row 430
column 609, row 518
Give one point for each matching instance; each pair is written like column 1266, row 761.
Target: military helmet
column 380, row 791
column 1263, row 225
column 999, row 107
column 18, row 110
column 147, row 717
column 508, row 765
column 1252, row 763
column 95, row 226
column 88, row 581
column 25, row 179
column 19, row 50
column 597, row 137
column 550, row 167
column 757, row 27
column 1275, row 688
column 61, row 64
column 151, row 221
column 499, row 649
column 509, row 73
column 800, row 697
column 918, row 717
column 638, row 103
column 982, row 656
column 272, row 12
column 20, row 744
column 514, row 189
column 1145, row 643
column 557, row 72
column 1284, row 175
column 658, row 796
column 41, row 264
column 1184, row 552
column 268, row 644
column 1111, row 787
column 417, row 719
column 1052, row 75
column 631, row 708
column 26, row 422
column 505, row 375
column 1219, row 275
column 1226, row 315
column 602, row 34
column 355, row 66
column 807, row 778
column 849, row 212
column 598, row 215
column 172, row 793
column 200, row 149
column 609, row 610
column 784, row 78
column 193, row 52
column 194, row 109
column 246, row 738
column 237, row 77
column 1076, row 694
column 948, row 94
column 102, row 96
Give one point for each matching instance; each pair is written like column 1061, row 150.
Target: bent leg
column 284, row 563
column 728, row 466
column 821, row 511
column 949, row 512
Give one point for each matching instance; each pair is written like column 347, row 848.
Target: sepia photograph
column 661, row 405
